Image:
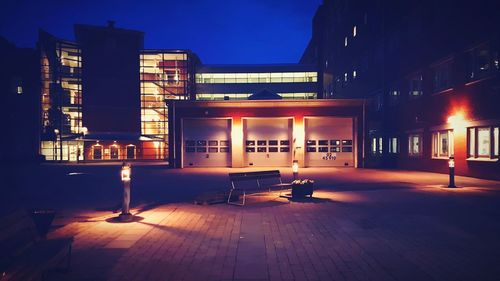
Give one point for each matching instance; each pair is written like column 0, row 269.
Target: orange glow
column 457, row 120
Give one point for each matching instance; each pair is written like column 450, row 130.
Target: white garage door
column 329, row 142
column 268, row 141
column 206, row 142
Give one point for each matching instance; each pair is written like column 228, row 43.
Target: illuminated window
column 377, row 145
column 268, row 77
column 394, row 96
column 354, row 31
column 483, row 142
column 393, row 145
column 442, row 144
column 481, row 62
column 415, row 145
column 416, row 86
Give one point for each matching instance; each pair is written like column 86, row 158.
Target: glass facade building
column 61, row 99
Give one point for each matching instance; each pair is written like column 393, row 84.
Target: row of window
column 479, row 62
column 269, row 77
column 482, row 143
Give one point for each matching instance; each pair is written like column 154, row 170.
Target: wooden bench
column 26, row 256
column 258, row 176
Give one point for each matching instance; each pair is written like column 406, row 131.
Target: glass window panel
column 495, row 142
column 284, row 149
column 472, row 143
column 443, row 144
column 346, row 149
column 323, row 149
column 250, row 149
column 273, row 149
column 483, row 142
column 261, row 149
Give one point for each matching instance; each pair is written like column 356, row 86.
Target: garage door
column 329, row 142
column 268, row 141
column 206, row 142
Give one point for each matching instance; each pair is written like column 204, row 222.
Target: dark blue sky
column 232, row 31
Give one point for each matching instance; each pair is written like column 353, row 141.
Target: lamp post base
column 125, row 217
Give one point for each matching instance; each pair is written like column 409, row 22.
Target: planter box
column 301, row 190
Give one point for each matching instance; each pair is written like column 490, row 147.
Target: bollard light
column 295, row 169
column 451, row 166
column 126, row 173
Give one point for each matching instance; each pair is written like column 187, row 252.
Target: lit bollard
column 451, row 165
column 295, row 169
column 125, row 175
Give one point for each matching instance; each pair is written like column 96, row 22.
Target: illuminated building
column 419, row 63
column 103, row 97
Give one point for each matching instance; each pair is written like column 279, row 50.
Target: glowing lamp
column 295, row 169
column 126, row 172
column 84, row 130
column 451, row 163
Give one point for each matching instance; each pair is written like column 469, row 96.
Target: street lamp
column 58, row 138
column 295, row 169
column 451, row 165
column 126, row 173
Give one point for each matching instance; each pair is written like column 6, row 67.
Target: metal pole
column 126, row 198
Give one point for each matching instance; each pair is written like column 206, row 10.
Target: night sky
column 220, row 32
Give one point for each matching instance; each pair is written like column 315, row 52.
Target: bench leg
column 229, row 197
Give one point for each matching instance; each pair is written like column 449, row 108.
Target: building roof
column 268, row 103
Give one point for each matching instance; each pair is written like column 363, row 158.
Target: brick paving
column 364, row 225
column 381, row 232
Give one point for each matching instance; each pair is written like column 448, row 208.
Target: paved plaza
column 361, row 225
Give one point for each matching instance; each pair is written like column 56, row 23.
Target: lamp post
column 126, row 172
column 56, row 132
column 451, row 165
column 83, row 132
column 295, row 169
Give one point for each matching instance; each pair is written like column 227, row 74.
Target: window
column 394, row 96
column 442, row 144
column 393, row 145
column 483, row 142
column 416, row 86
column 415, row 145
column 442, row 76
column 377, row 145
column 481, row 62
